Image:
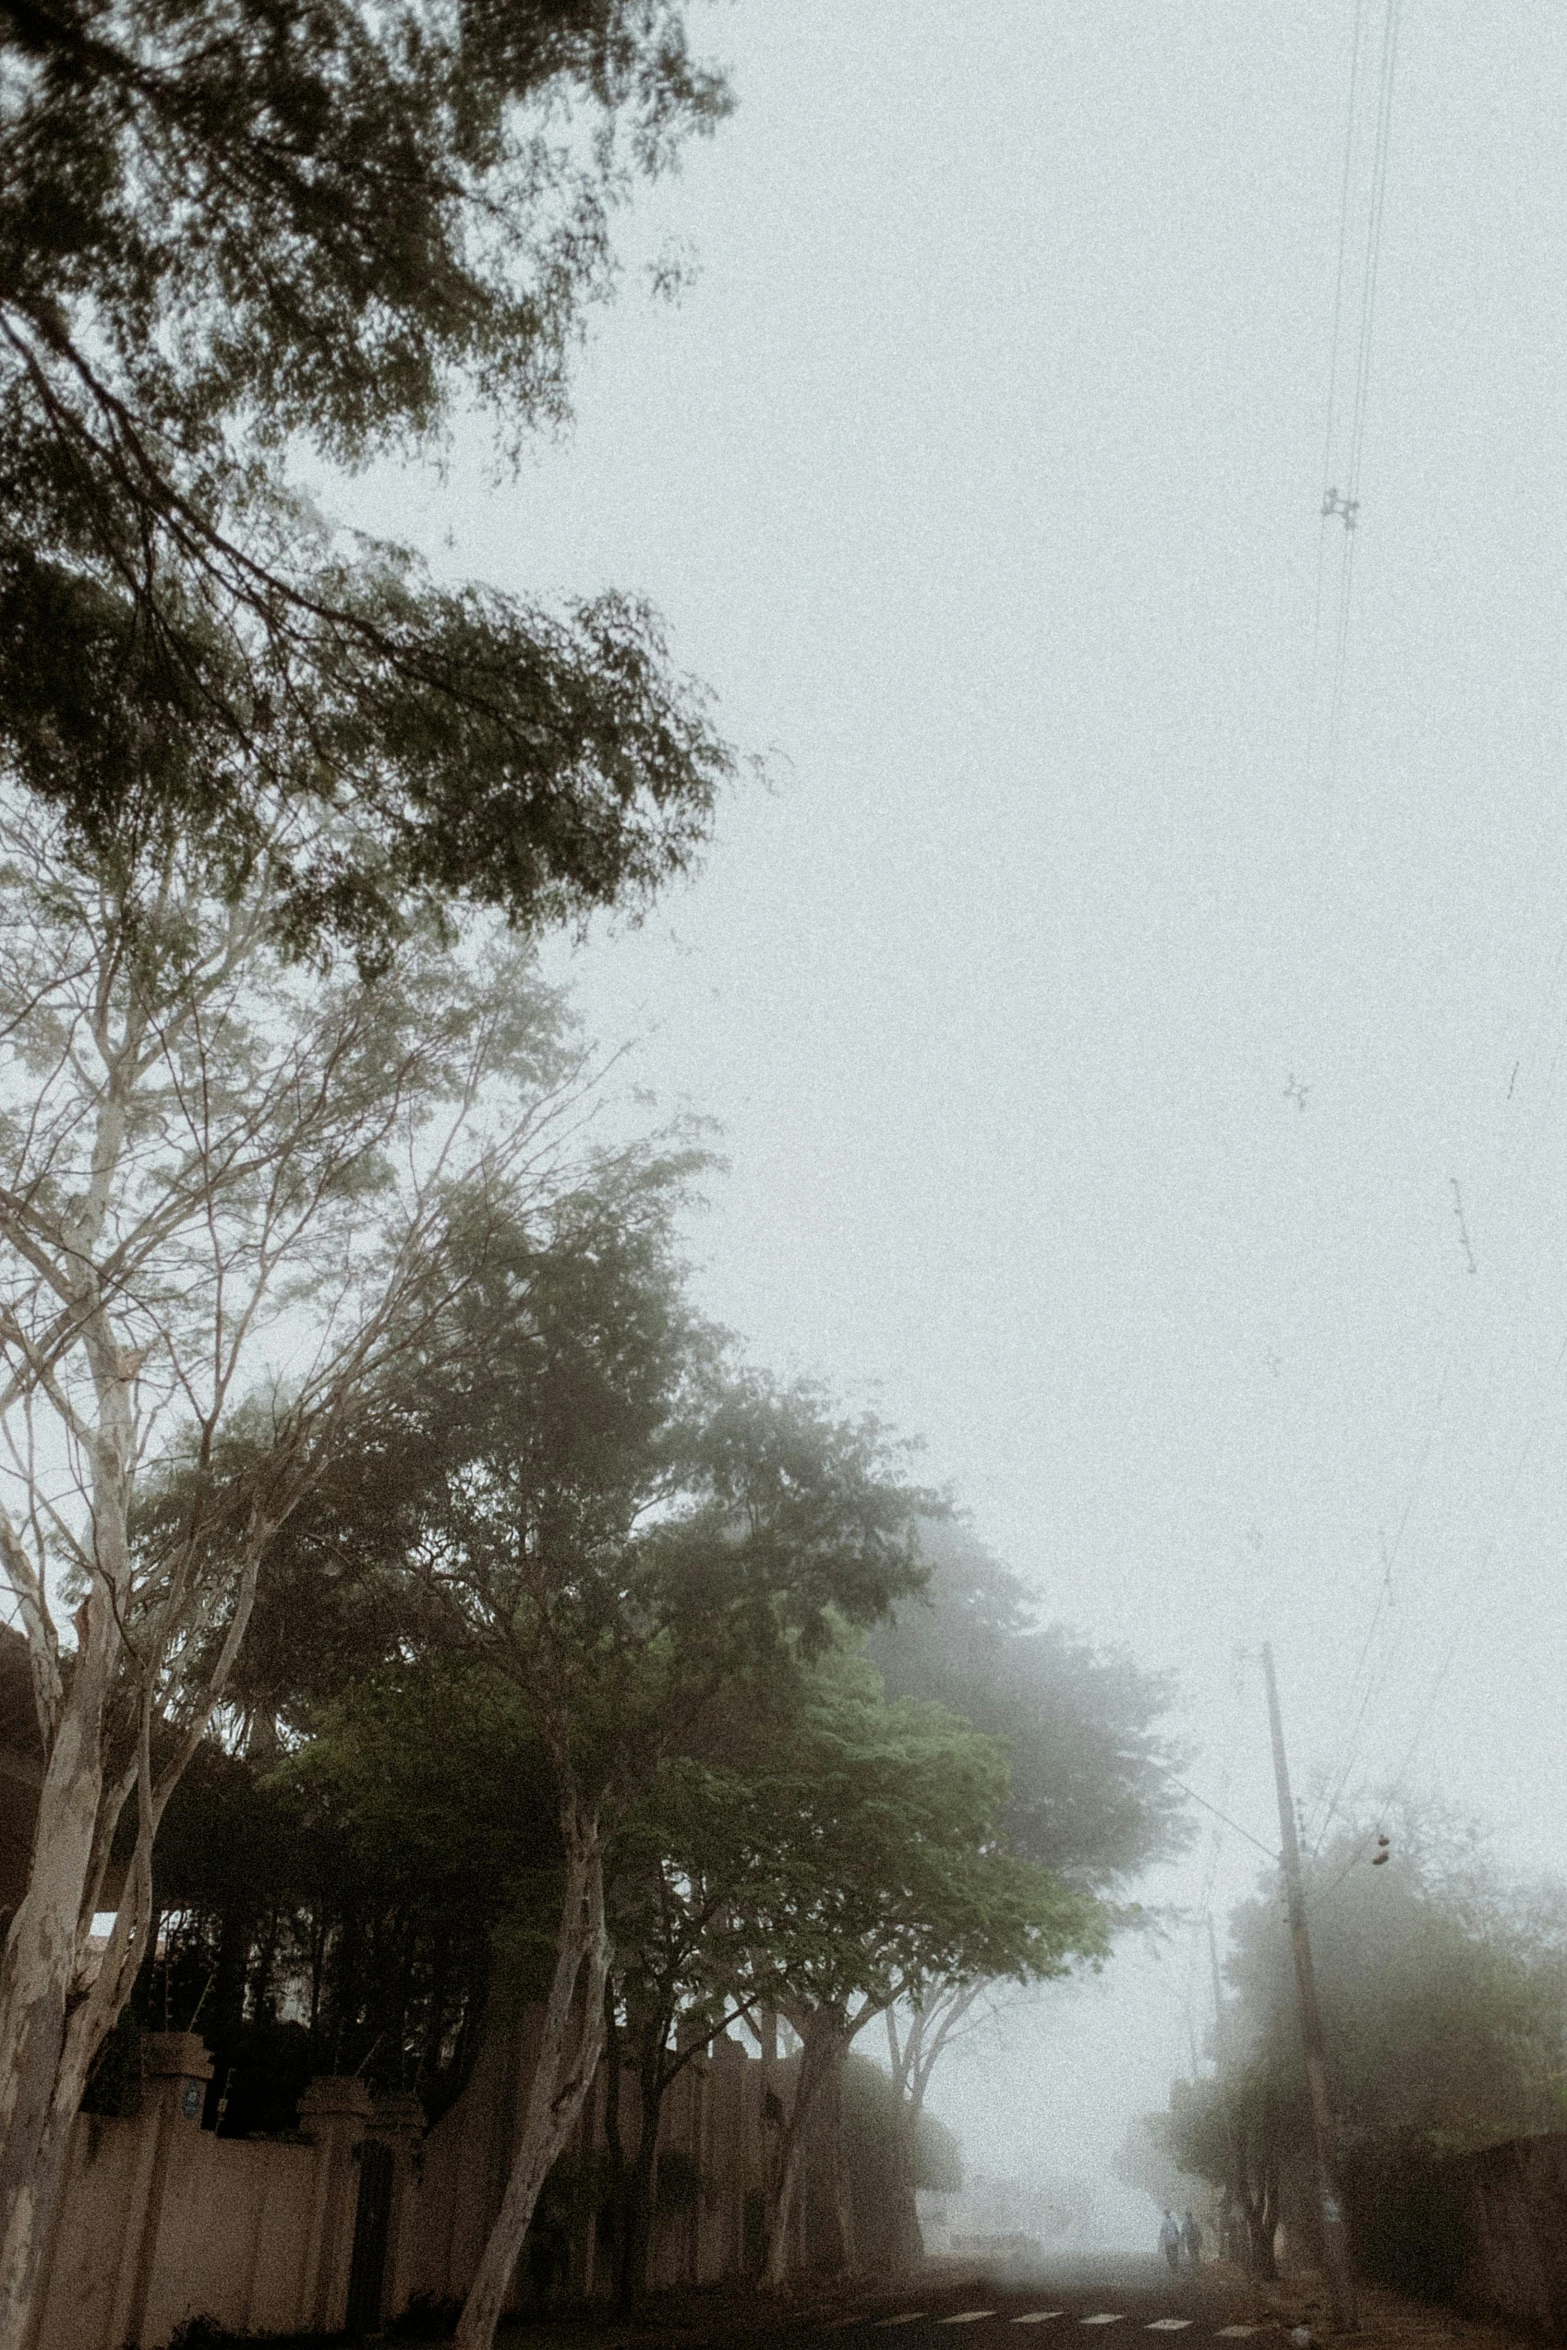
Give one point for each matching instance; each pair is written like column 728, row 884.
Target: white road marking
column 1104, row 2317
column 1167, row 2325
column 1037, row 2317
column 967, row 2317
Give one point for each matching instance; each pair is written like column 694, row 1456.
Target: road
column 1069, row 2305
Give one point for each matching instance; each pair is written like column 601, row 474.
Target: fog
column 1163, row 1119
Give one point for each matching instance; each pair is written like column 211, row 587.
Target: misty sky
column 979, row 474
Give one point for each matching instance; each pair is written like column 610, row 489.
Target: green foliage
column 232, row 225
column 873, row 1866
column 1144, row 2160
column 332, row 222
column 568, row 1550
column 1444, row 2003
column 353, row 1908
column 1090, row 1794
column 643, row 1538
column 565, row 1358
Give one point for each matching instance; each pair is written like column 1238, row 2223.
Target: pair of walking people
column 1176, row 2236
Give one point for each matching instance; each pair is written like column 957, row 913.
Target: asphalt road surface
column 1061, row 2305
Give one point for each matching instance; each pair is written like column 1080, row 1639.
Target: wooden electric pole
column 1218, row 1994
column 1335, row 2242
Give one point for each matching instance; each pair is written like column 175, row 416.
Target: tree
column 1229, row 2132
column 1444, row 2003
column 1143, row 2162
column 350, row 1909
column 874, row 1873
column 639, row 1540
column 236, row 226
column 227, row 1183
column 1089, row 1793
column 629, row 1648
column 710, row 1873
column 680, row 1873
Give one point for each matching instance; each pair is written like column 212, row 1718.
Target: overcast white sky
column 979, row 474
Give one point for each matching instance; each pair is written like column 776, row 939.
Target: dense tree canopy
column 635, row 1537
column 1090, row 1795
column 229, row 226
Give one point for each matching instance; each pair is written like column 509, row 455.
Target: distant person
column 1191, row 2237
column 1170, row 2240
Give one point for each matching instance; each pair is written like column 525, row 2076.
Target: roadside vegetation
column 401, row 1559
column 1443, row 1986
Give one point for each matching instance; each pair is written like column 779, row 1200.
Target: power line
column 1384, row 140
column 1344, row 504
column 1224, row 1816
column 1384, row 1605
column 1338, row 323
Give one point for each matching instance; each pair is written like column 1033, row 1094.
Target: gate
column 372, row 2222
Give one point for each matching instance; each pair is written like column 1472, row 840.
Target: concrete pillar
column 175, row 2071
column 397, row 2119
column 334, row 2115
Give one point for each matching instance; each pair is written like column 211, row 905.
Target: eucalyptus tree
column 228, row 1184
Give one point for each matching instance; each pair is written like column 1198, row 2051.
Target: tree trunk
column 641, row 2199
column 1268, row 2265
column 568, row 2052
column 44, row 2061
column 908, row 2245
column 1260, row 2207
column 58, row 2005
column 842, row 2248
column 820, row 2035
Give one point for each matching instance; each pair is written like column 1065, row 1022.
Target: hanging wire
column 1344, row 504
column 1527, row 1118
column 1333, row 366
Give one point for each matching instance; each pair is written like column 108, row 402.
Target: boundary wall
column 340, row 2225
column 1485, row 2231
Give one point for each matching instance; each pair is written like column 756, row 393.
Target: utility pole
column 1218, row 1994
column 1335, row 2242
